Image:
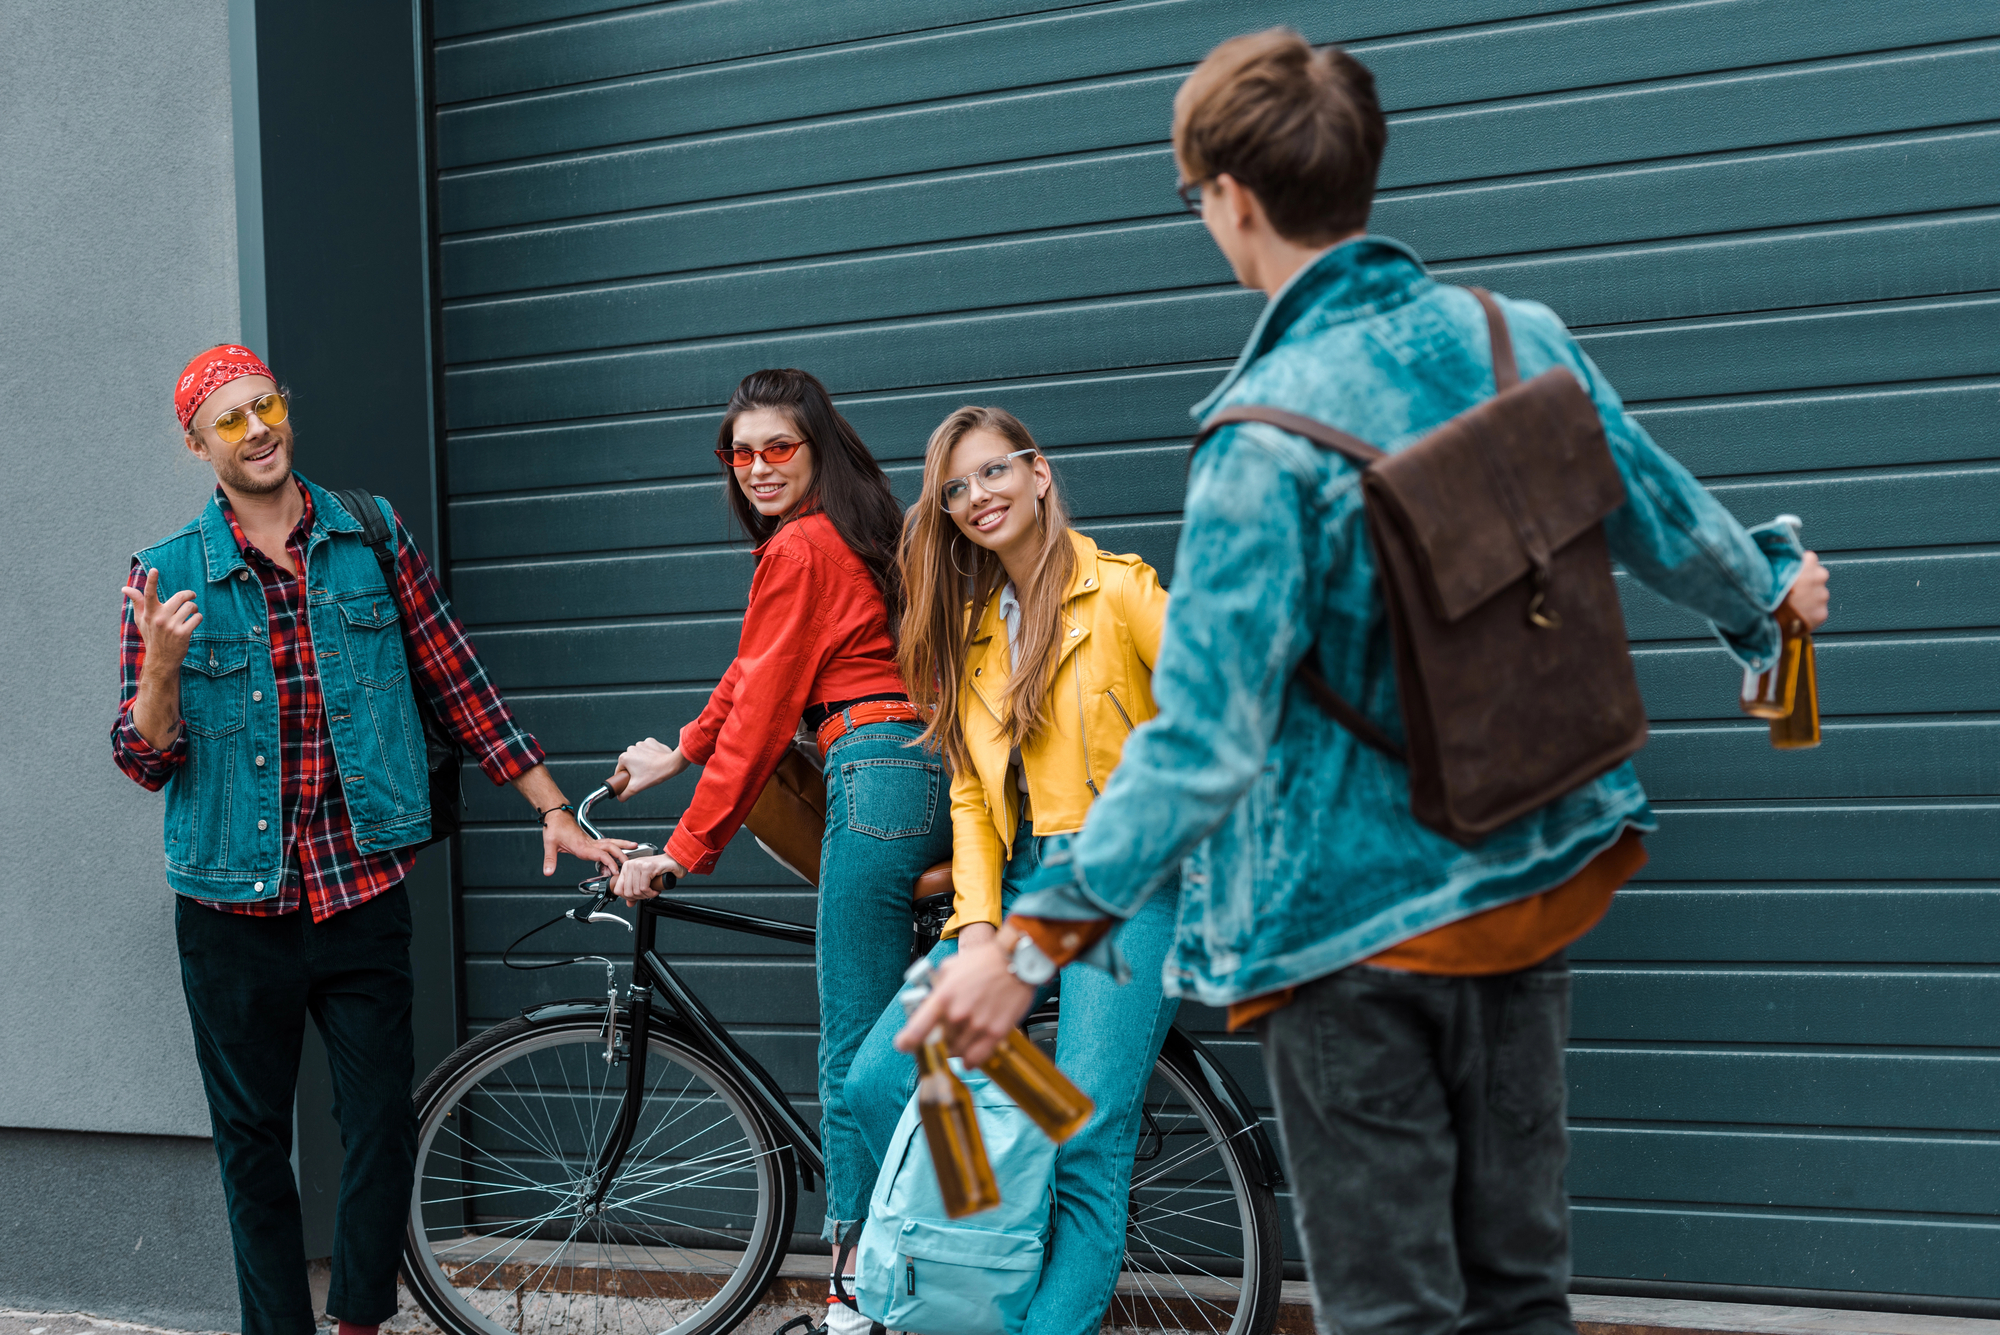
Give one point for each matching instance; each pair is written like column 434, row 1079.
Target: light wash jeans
column 888, row 818
column 1107, row 1042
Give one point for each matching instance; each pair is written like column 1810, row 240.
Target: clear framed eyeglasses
column 996, row 476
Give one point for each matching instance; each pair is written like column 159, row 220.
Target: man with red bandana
column 272, row 696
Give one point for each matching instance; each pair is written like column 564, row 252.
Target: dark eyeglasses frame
column 779, row 453
column 1190, row 193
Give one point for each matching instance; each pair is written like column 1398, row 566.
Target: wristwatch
column 1027, row 962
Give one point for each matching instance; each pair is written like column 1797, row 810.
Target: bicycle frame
column 650, row 973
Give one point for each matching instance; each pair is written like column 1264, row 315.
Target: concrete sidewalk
column 1594, row 1316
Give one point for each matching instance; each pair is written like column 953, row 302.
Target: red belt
column 871, row 711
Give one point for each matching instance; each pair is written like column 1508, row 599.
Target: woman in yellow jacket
column 1036, row 679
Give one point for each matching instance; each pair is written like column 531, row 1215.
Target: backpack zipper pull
column 910, row 1275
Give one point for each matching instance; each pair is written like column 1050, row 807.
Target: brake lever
column 600, row 887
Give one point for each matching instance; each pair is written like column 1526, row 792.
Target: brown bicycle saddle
column 935, row 881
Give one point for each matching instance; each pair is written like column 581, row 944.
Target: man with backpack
column 1409, row 988
column 274, row 695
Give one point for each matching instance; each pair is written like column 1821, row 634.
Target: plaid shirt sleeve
column 453, row 678
column 143, row 763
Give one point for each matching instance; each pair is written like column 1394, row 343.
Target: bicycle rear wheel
column 1203, row 1248
column 502, row 1239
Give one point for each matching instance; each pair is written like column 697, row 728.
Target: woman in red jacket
column 818, row 643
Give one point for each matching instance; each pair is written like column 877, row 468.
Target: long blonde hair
column 948, row 580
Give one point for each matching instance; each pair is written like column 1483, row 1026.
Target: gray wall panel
column 120, row 264
column 126, row 1227
column 119, row 199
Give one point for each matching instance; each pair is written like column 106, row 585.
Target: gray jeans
column 1424, row 1138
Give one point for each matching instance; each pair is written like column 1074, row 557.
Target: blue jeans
column 888, row 818
column 1107, row 1043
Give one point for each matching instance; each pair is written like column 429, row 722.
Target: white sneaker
column 844, row 1320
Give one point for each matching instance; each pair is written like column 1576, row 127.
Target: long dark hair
column 848, row 486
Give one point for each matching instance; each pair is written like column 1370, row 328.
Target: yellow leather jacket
column 1102, row 690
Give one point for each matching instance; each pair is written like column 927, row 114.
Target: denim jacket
column 1298, row 851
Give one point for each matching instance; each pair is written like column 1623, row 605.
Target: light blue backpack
column 922, row 1272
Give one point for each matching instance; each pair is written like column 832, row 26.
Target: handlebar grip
column 665, row 881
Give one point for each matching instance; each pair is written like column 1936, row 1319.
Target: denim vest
column 225, row 815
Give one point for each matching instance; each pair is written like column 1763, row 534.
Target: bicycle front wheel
column 503, row 1235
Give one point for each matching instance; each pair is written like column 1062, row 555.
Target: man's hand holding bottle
column 1809, row 598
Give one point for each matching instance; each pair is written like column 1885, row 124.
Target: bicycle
column 620, row 1164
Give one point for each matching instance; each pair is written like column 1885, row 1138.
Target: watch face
column 1029, row 964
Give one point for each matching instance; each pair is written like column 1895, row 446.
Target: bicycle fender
column 573, row 1009
column 1231, row 1096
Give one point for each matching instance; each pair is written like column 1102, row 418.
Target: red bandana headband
column 211, row 371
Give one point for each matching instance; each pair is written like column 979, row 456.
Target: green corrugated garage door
column 1773, row 224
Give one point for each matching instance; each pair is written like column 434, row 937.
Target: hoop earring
column 951, row 555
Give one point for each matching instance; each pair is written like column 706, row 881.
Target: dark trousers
column 1423, row 1129
column 250, row 984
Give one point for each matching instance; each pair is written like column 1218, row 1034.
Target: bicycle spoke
column 720, row 1121
column 552, row 1145
column 1184, row 1156
column 1194, row 1257
column 683, row 1236
column 497, row 1161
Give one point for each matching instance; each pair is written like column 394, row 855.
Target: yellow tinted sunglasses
column 234, row 424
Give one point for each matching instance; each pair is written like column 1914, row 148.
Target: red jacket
column 816, row 632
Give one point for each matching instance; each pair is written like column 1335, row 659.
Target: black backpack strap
column 374, row 529
column 1360, row 453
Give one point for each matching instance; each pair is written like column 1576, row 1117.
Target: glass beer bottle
column 1051, row 1100
column 1799, row 728
column 951, row 1127
column 1787, row 693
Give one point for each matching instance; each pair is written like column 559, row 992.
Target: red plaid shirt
column 318, row 837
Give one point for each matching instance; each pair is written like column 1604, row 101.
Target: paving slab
column 801, row 1286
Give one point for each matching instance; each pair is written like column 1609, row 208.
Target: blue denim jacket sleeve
column 1237, row 626
column 1671, row 534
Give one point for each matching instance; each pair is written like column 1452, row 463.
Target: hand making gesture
column 166, row 629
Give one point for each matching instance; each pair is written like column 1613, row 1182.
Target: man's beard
column 237, row 478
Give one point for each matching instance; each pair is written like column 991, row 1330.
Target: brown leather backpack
column 1512, row 669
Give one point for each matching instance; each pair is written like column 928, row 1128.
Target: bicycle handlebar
column 583, row 811
column 601, row 885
